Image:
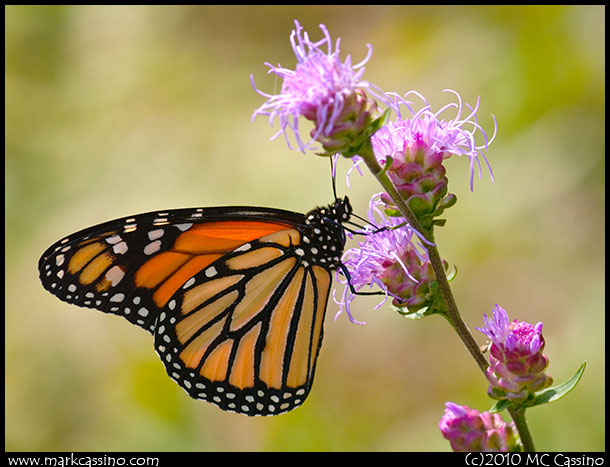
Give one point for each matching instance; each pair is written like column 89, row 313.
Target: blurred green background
column 115, row 110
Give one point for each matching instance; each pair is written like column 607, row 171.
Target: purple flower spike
column 468, row 430
column 516, row 361
column 419, row 140
column 389, row 259
column 322, row 89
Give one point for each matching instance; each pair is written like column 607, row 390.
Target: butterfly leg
column 351, row 287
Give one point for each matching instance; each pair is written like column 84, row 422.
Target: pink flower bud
column 516, row 361
column 469, row 430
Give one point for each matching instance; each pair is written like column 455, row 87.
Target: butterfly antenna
column 367, row 223
column 333, row 176
column 362, row 219
column 333, row 171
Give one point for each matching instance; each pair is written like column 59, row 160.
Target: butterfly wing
column 235, row 297
column 244, row 333
column 133, row 265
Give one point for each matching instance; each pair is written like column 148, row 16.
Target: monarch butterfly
column 235, row 297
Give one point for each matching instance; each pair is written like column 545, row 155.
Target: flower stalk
column 518, row 416
column 452, row 312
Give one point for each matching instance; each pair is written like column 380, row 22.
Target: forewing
column 133, row 265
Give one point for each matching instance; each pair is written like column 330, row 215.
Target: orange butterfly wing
column 132, row 266
column 235, row 297
column 244, row 333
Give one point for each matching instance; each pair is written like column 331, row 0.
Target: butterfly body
column 235, row 297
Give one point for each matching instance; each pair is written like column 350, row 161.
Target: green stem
column 452, row 314
column 518, row 416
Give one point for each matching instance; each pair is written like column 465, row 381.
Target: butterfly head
column 341, row 210
column 324, row 233
column 336, row 213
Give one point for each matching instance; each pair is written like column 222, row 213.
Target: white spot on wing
column 119, row 297
column 152, row 247
column 211, row 271
column 114, row 275
column 114, row 239
column 120, row 248
column 155, row 234
column 183, row 227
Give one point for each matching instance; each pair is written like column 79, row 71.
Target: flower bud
column 351, row 128
column 517, row 364
column 468, row 430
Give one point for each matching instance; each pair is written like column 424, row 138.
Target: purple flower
column 468, row 430
column 516, row 361
column 324, row 90
column 426, row 137
column 387, row 258
column 418, row 142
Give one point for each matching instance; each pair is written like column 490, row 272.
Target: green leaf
column 555, row 393
column 416, row 314
column 452, row 274
column 379, row 122
column 545, row 396
column 387, row 165
column 420, row 206
column 393, row 212
column 448, row 201
column 500, row 406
